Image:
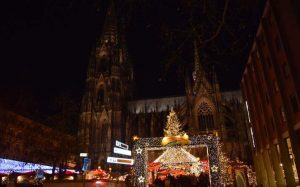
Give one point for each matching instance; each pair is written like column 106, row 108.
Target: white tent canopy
column 175, row 155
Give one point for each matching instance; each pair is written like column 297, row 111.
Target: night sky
column 45, row 45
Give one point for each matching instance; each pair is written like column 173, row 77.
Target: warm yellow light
column 281, row 164
column 177, row 139
column 135, row 138
column 216, row 133
column 70, row 178
column 185, row 136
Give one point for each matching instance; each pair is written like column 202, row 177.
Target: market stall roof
column 175, row 155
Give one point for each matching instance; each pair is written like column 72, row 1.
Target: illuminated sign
column 117, row 160
column 83, row 154
column 122, row 151
column 86, row 164
column 39, row 174
column 8, row 166
column 121, row 145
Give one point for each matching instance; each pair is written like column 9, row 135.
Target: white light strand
column 141, row 160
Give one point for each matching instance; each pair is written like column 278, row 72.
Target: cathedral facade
column 108, row 88
column 109, row 112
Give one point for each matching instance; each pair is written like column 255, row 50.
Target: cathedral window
column 205, row 117
column 100, row 96
column 102, row 65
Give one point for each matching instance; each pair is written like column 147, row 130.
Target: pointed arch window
column 100, row 95
column 205, row 117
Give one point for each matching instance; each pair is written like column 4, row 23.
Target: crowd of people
column 182, row 181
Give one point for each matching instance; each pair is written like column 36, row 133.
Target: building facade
column 110, row 113
column 23, row 139
column 270, row 87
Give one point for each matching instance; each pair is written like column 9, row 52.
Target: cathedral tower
column 203, row 97
column 108, row 84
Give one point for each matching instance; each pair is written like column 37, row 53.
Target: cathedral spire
column 198, row 69
column 198, row 73
column 110, row 33
column 196, row 61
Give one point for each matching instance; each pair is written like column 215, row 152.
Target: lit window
column 205, row 117
column 252, row 137
column 248, row 113
column 292, row 158
column 283, row 116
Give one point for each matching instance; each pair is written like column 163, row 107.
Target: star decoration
column 141, row 179
column 139, row 150
column 214, row 168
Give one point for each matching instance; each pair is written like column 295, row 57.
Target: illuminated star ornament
column 141, row 179
column 214, row 168
column 139, row 150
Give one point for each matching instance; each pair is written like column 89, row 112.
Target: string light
column 148, row 144
column 139, row 150
column 173, row 126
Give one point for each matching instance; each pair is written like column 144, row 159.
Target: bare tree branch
column 218, row 29
column 221, row 24
column 176, row 52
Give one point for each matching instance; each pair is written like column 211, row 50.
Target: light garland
column 196, row 169
column 141, row 179
column 148, row 144
column 139, row 150
column 228, row 168
column 214, row 168
column 226, row 178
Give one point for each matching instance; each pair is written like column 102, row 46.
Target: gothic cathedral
column 108, row 88
column 109, row 112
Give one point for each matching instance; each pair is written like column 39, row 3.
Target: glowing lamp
column 135, row 138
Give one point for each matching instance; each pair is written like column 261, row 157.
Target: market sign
column 116, row 160
column 121, row 145
column 122, row 151
column 83, row 154
column 86, row 164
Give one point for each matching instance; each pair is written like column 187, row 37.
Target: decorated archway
column 144, row 145
column 175, row 154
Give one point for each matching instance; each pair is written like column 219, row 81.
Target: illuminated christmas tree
column 173, row 127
